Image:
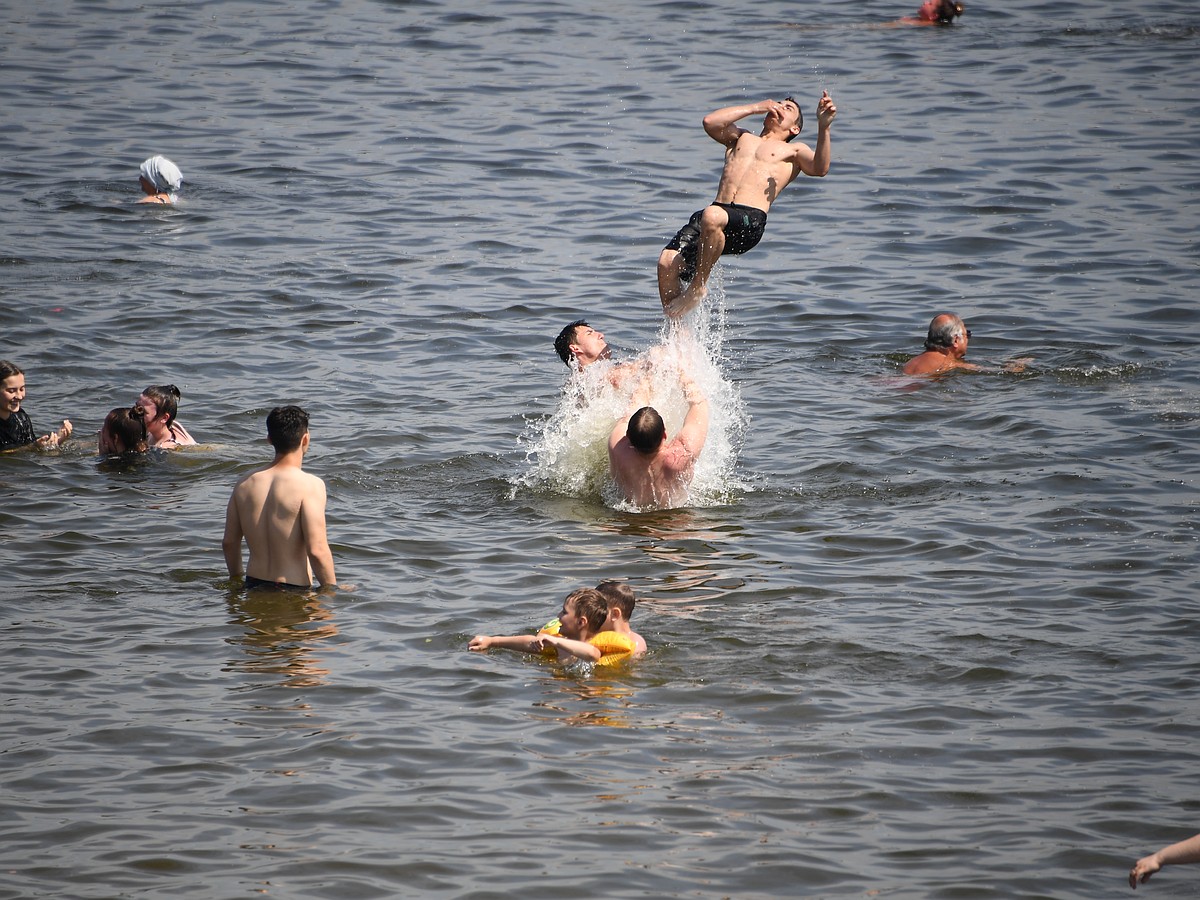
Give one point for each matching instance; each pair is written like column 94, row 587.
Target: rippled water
column 919, row 640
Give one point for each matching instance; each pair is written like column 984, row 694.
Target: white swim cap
column 162, row 173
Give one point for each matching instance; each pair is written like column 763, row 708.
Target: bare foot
column 685, row 302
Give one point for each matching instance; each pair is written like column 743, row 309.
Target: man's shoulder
column 676, row 456
column 620, row 450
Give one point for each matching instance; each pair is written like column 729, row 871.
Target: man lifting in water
column 757, row 169
column 649, row 470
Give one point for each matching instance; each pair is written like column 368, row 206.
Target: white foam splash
column 568, row 453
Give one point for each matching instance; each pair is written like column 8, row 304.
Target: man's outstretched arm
column 1184, row 852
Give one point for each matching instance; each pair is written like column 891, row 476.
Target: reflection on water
column 685, row 543
column 604, row 703
column 280, row 631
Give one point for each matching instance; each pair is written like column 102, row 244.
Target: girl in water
column 16, row 430
column 124, row 431
column 161, row 403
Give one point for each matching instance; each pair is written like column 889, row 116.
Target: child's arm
column 568, row 647
column 526, row 643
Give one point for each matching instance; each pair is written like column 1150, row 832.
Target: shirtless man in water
column 757, row 169
column 945, row 347
column 280, row 511
column 650, row 471
column 579, row 345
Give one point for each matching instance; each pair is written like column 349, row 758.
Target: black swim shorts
column 257, row 584
column 744, row 231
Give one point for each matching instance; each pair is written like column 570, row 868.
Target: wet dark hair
column 646, row 430
column 125, row 429
column 947, row 10
column 618, row 594
column 9, row 369
column 566, row 337
column 165, row 398
column 799, row 111
column 286, row 427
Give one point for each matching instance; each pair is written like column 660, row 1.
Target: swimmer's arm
column 720, row 124
column 617, row 433
column 526, row 643
column 316, row 542
column 1011, row 367
column 1184, row 852
column 231, row 543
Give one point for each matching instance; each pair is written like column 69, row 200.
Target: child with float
column 621, row 600
column 577, row 634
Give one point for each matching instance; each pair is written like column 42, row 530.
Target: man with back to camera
column 280, row 511
column 757, row 169
column 650, row 471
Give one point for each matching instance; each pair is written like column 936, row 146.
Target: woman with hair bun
column 124, row 431
column 161, row 403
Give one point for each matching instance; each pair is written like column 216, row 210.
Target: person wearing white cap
column 160, row 179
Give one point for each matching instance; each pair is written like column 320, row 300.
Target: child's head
column 619, row 596
column 583, row 614
column 124, row 431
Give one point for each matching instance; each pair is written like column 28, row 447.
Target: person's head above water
column 580, row 343
column 161, row 403
column 124, row 431
column 286, row 428
column 646, row 430
column 785, row 116
column 946, row 331
column 940, row 12
column 158, row 175
column 618, row 594
column 583, row 613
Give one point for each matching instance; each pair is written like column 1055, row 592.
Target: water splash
column 568, row 452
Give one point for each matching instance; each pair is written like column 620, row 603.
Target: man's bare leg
column 670, row 285
column 712, row 245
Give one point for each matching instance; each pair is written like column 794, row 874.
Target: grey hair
column 944, row 335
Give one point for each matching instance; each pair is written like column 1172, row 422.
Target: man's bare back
column 658, row 476
column 660, row 482
column 280, row 512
